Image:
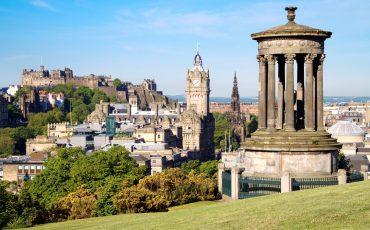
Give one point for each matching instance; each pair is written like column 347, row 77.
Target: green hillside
column 336, row 207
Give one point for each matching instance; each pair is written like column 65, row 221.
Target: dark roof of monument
column 291, row 29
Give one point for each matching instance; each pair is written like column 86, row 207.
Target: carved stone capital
column 309, row 58
column 271, row 59
column 261, row 59
column 322, row 58
column 289, row 58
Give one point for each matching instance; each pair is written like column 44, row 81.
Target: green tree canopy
column 117, row 82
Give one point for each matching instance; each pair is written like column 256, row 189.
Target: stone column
column 308, row 105
column 286, row 183
column 342, row 177
column 289, row 93
column 221, row 169
column 271, row 59
column 300, row 95
column 320, row 94
column 281, row 87
column 234, row 182
column 262, row 93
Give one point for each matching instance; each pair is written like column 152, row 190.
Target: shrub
column 79, row 204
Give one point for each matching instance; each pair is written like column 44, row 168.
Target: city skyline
column 133, row 41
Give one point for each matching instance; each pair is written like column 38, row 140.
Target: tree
column 8, row 204
column 7, row 145
column 55, row 181
column 79, row 204
column 38, row 121
column 221, row 126
column 117, row 82
column 209, row 168
column 343, row 162
column 20, row 136
column 251, row 126
column 190, row 165
column 14, row 114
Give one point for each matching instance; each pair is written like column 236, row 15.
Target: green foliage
column 79, row 204
column 162, row 190
column 251, row 126
column 7, row 145
column 39, row 121
column 117, row 82
column 95, row 169
column 8, row 204
column 14, row 114
column 30, row 212
column 343, row 162
column 82, row 99
column 55, row 181
column 20, row 136
column 13, row 140
column 209, row 168
column 101, row 173
column 22, row 91
column 221, row 126
column 190, row 165
column 113, row 99
column 139, row 200
column 104, row 203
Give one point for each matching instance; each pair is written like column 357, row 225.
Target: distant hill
column 327, row 99
column 336, row 207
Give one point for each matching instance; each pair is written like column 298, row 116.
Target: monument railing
column 309, row 183
column 258, row 186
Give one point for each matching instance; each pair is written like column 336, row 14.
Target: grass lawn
column 337, row 207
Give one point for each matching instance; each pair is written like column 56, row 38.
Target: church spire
column 235, row 100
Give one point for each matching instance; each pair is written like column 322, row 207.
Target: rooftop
column 291, row 29
column 345, row 128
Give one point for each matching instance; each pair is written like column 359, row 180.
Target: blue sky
column 133, row 40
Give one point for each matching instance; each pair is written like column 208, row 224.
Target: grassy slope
column 336, row 207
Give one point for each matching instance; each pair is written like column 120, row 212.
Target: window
column 20, row 167
column 32, row 167
column 26, row 167
column 159, row 136
column 38, row 167
column 43, row 167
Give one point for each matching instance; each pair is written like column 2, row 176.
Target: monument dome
column 345, row 128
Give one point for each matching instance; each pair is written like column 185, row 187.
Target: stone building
column 149, row 84
column 29, row 103
column 40, row 144
column 198, row 124
column 291, row 143
column 17, row 167
column 57, row 130
column 44, row 77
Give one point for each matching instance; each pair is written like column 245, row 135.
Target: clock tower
column 197, row 88
column 198, row 124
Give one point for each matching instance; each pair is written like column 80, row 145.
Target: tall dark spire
column 235, row 100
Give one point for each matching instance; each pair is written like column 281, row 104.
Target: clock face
column 196, row 82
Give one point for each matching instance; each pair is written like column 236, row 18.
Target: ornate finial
column 291, row 13
column 198, row 60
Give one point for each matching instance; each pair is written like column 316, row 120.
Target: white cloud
column 42, row 4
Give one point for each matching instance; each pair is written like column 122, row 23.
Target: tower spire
column 235, row 100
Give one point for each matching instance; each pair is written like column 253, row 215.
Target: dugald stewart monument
column 291, row 142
